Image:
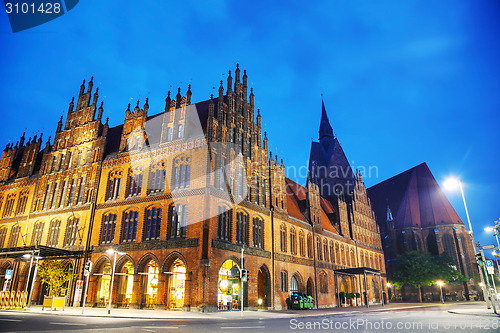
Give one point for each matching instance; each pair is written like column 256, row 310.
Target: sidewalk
column 261, row 314
column 475, row 309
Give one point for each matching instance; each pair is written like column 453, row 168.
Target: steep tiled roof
column 415, row 199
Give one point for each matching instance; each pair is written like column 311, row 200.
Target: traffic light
column 479, row 259
column 248, row 275
column 87, row 268
column 244, row 275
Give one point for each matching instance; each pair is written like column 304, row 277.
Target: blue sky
column 403, row 81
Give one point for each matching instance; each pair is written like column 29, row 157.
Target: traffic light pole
column 88, row 267
column 487, row 282
column 241, row 280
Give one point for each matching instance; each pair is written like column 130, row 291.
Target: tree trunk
column 420, row 293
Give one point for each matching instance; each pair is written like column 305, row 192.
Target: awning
column 358, row 270
column 42, row 251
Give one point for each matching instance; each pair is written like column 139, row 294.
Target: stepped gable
column 415, row 199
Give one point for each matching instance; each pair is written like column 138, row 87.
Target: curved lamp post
column 451, row 184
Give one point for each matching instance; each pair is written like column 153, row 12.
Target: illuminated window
column 224, row 219
column 71, row 231
column 241, row 228
column 130, row 219
column 157, row 177
column 36, row 238
column 108, row 228
column 182, row 172
column 134, row 182
column 293, row 241
column 114, row 183
column 258, row 232
column 14, row 235
column 177, row 221
column 153, row 224
column 3, row 235
column 23, row 199
column 283, row 238
column 54, row 227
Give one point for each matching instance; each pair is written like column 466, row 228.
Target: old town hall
column 180, row 194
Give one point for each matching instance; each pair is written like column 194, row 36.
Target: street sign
column 8, row 274
column 490, row 267
column 488, row 247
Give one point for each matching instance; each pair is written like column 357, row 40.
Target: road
column 413, row 319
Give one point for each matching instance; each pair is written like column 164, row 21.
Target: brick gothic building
column 179, row 194
column 414, row 214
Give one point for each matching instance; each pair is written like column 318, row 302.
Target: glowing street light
column 452, row 184
column 440, row 284
column 115, row 252
column 495, row 229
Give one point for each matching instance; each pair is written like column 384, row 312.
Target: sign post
column 86, row 272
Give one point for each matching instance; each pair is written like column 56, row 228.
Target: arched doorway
column 177, row 285
column 104, row 281
column 150, row 284
column 228, row 286
column 264, row 288
column 310, row 288
column 126, row 285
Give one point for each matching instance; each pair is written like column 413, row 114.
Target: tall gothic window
column 81, row 191
column 72, row 189
column 169, row 133
column 240, row 182
column 114, row 182
column 134, row 182
column 319, row 253
column 36, row 238
column 55, row 191
column 325, row 249
column 130, row 219
column 9, row 205
column 293, row 241
column 222, row 176
column 323, row 283
column 153, row 223
column 181, row 131
column 241, row 228
column 108, row 228
column 61, row 199
column 332, row 253
column 71, row 231
column 302, row 246
column 14, row 235
column 54, row 227
column 264, row 191
column 177, row 221
column 157, row 177
column 256, row 189
column 283, row 238
column 284, row 281
column 182, row 172
column 309, row 246
column 23, row 200
column 3, row 235
column 258, row 232
column 224, row 218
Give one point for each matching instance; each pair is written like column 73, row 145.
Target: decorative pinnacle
column 72, row 100
column 147, row 100
column 92, row 79
column 128, row 108
column 97, row 90
column 101, row 105
column 137, row 106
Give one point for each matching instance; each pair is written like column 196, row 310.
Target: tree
column 419, row 269
column 56, row 274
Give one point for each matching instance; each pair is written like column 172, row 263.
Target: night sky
column 404, row 82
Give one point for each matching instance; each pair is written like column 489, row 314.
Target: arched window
column 353, row 259
column 108, row 228
column 36, row 238
column 319, row 253
column 325, row 249
column 182, row 172
column 134, row 182
column 177, row 221
column 284, row 281
column 3, row 235
column 362, row 259
column 72, row 231
column 54, row 227
column 9, row 205
column 72, row 190
column 23, row 199
column 309, row 246
column 293, row 241
column 337, row 253
column 342, row 254
column 283, row 238
column 224, row 219
column 114, row 182
column 153, row 223
column 15, row 231
column 130, row 219
column 81, row 191
column 258, row 232
column 302, row 246
column 241, row 228
column 323, row 283
column 157, row 177
column 332, row 252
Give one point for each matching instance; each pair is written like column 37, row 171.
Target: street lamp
column 390, row 290
column 114, row 252
column 495, row 229
column 440, row 284
column 451, row 184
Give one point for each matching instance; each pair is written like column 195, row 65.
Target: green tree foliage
column 419, row 269
column 56, row 274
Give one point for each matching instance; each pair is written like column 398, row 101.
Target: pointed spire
column 128, row 108
column 389, row 215
column 101, row 105
column 71, row 105
column 229, row 81
column 178, row 98
column 167, row 102
column 91, row 83
column 137, row 106
column 188, row 95
column 325, row 129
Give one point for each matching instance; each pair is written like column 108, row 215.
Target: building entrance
column 228, row 297
column 177, row 285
